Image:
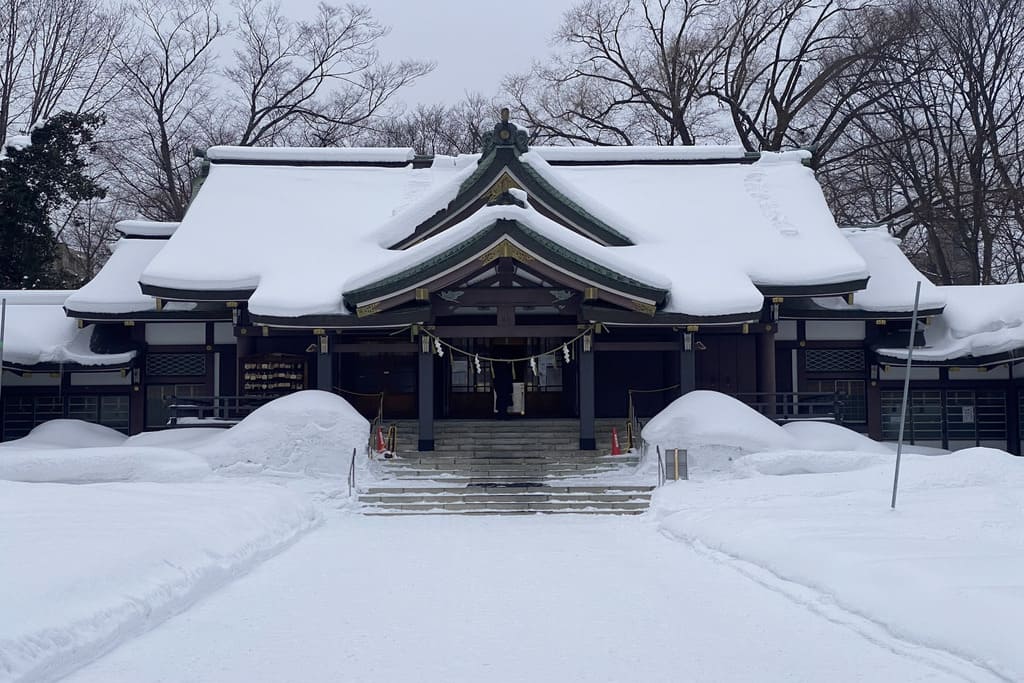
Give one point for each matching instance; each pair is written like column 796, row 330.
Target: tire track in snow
column 825, row 606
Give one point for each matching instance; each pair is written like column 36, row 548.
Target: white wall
column 900, row 371
column 100, row 379
column 168, row 334
column 834, row 330
column 999, row 372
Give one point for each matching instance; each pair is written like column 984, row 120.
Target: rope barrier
column 470, row 354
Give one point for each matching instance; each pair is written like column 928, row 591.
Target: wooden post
column 588, row 442
column 425, row 395
column 324, row 366
column 687, row 364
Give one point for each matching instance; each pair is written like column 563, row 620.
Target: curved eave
column 388, row 319
column 808, row 310
column 504, row 238
column 1001, row 358
column 148, row 316
column 612, row 316
column 174, row 294
column 824, row 289
column 473, row 194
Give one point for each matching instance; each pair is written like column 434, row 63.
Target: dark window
column 975, row 416
column 924, row 416
column 851, row 394
column 22, row 413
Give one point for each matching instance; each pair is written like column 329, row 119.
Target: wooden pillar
column 766, row 361
column 244, row 346
column 588, row 442
column 1012, row 416
column 425, row 395
column 324, row 366
column 687, row 364
column 137, row 398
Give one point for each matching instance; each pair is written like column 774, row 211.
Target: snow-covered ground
column 505, row 599
column 779, row 560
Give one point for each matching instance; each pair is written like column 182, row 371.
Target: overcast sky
column 474, row 42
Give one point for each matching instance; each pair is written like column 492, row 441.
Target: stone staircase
column 505, row 467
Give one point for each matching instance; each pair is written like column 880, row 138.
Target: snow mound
column 785, row 463
column 309, row 432
column 825, row 436
column 68, row 434
column 91, row 465
column 710, row 418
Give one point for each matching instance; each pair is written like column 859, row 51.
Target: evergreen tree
column 37, row 182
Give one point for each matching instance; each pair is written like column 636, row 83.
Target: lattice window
column 176, row 364
column 924, row 416
column 834, row 360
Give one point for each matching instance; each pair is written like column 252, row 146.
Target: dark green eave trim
column 150, row 316
column 1011, row 356
column 311, row 162
column 569, row 261
column 805, row 309
column 825, row 289
column 540, row 192
column 618, row 316
column 393, row 318
column 173, row 294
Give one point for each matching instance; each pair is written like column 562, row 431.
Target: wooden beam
column 457, row 331
column 636, row 346
column 514, row 296
column 374, row 347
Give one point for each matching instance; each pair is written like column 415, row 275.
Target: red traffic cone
column 380, row 440
column 616, row 449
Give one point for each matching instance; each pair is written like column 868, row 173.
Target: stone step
column 481, row 513
column 581, row 506
column 496, row 497
column 553, row 490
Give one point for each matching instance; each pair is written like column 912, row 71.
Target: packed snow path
column 506, row 598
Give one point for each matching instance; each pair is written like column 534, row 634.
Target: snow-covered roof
column 153, row 229
column 294, row 237
column 38, row 332
column 303, row 155
column 115, row 289
column 611, row 154
column 980, row 322
column 893, row 277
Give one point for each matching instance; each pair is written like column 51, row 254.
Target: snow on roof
column 301, row 235
column 767, row 220
column 115, row 289
column 293, row 234
column 38, row 333
column 978, row 321
column 138, row 228
column 284, row 155
column 893, row 276
column 639, row 153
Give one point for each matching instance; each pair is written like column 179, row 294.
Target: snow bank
column 825, row 436
column 942, row 570
column 709, row 418
column 87, row 567
column 67, row 434
column 101, row 464
column 310, row 432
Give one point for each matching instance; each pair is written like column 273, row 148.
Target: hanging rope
column 564, row 348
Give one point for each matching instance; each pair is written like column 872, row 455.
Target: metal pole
column 675, row 452
column 906, row 392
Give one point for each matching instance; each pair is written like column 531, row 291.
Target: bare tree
column 167, row 71
column 437, row 129
column 323, row 72
column 632, row 71
column 18, row 25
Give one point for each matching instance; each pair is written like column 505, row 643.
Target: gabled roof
column 292, row 231
column 508, row 166
column 519, row 232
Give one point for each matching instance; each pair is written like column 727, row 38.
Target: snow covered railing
column 220, row 408
column 788, row 406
